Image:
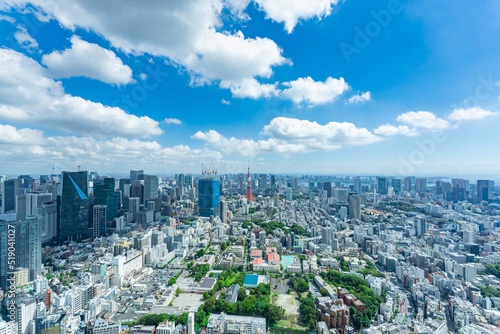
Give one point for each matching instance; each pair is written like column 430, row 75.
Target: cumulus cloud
column 423, row 120
column 290, row 12
column 363, row 97
column 29, row 95
column 28, row 145
column 225, row 102
column 88, row 60
column 247, row 147
column 474, row 113
column 173, row 121
column 251, row 88
column 391, row 130
column 186, row 32
column 25, row 40
column 10, row 135
column 309, row 92
column 292, row 136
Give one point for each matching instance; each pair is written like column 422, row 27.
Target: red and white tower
column 249, row 195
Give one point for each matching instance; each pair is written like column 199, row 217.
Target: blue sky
column 323, row 86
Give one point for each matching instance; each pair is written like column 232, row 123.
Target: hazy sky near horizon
column 317, row 87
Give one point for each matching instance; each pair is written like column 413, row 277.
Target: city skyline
column 395, row 88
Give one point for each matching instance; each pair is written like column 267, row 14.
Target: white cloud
column 329, row 136
column 28, row 95
column 310, row 92
column 185, row 32
column 173, row 121
column 290, row 12
column 225, row 102
column 391, row 130
column 30, row 146
column 7, row 18
column 250, row 88
column 247, row 147
column 423, row 119
column 143, row 76
column 292, row 136
column 474, row 113
column 88, row 60
column 10, row 135
column 363, row 97
column 25, row 40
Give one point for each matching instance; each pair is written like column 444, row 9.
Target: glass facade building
column 27, row 248
column 105, row 194
column 74, row 220
column 208, row 197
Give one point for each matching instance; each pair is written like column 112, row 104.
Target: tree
column 242, row 294
column 178, row 291
column 324, row 292
column 275, row 313
column 223, row 246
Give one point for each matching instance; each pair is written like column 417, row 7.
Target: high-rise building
column 420, row 184
column 355, row 207
column 262, row 182
column 208, row 197
column 105, row 194
column 383, row 185
column 136, row 175
column 21, row 207
column 223, row 208
column 28, row 248
column 26, row 181
column 10, row 191
column 151, row 184
column 99, row 221
column 74, row 207
column 483, row 190
column 397, row 185
column 137, row 190
column 35, row 200
column 134, row 205
column 328, row 187
column 48, row 215
column 358, row 185
column 407, row 184
column 273, row 181
column 457, row 194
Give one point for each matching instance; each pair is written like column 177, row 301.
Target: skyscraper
column 151, row 184
column 483, row 190
column 355, row 207
column 273, row 181
column 137, row 190
column 28, row 248
column 208, row 197
column 397, row 185
column 328, row 187
column 74, row 207
column 358, row 185
column 10, row 191
column 99, row 221
column 420, row 184
column 136, row 175
column 407, row 184
column 383, row 185
column 105, row 194
column 48, row 215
